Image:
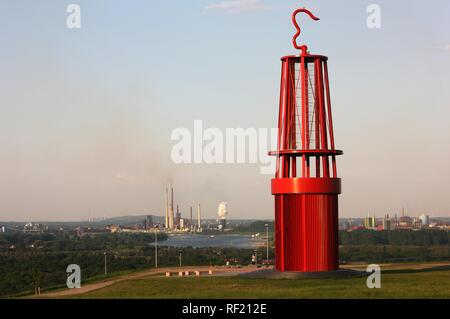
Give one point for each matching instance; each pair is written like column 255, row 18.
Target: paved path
column 217, row 271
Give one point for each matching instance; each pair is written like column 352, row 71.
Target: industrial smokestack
column 167, row 209
column 171, row 198
column 171, row 213
column 177, row 217
column 191, row 217
column 199, row 225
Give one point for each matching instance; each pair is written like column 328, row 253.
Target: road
column 217, row 271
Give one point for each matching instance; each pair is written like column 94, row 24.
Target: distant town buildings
column 195, row 224
column 34, row 228
column 405, row 222
column 88, row 230
column 370, row 222
column 388, row 223
column 113, row 228
column 148, row 222
column 425, row 220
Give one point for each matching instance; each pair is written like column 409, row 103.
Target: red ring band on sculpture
column 306, row 186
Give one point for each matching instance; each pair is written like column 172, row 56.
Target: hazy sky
column 86, row 114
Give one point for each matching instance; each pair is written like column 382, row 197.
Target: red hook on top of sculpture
column 304, row 48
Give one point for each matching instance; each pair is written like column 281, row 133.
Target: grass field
column 431, row 283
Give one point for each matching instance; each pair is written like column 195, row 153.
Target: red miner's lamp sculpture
column 306, row 185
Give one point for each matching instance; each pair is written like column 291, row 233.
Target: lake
column 196, row 240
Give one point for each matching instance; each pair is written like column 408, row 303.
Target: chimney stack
column 199, row 225
column 171, row 210
column 167, row 209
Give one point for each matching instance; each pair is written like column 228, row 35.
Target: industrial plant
column 175, row 222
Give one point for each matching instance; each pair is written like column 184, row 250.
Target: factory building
column 370, row 222
column 387, row 223
column 425, row 220
column 148, row 222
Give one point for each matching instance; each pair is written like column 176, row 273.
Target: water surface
column 196, row 240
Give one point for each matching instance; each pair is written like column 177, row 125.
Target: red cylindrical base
column 306, row 232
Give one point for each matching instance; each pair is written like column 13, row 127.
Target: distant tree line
column 65, row 241
column 398, row 237
column 424, row 237
column 393, row 254
column 255, row 227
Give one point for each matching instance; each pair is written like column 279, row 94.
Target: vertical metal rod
column 330, row 118
column 291, row 142
column 306, row 94
column 285, row 165
column 306, row 102
column 317, row 120
column 280, row 116
column 288, row 120
column 294, row 119
column 304, row 112
column 323, row 124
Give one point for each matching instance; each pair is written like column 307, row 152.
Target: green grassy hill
column 395, row 284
